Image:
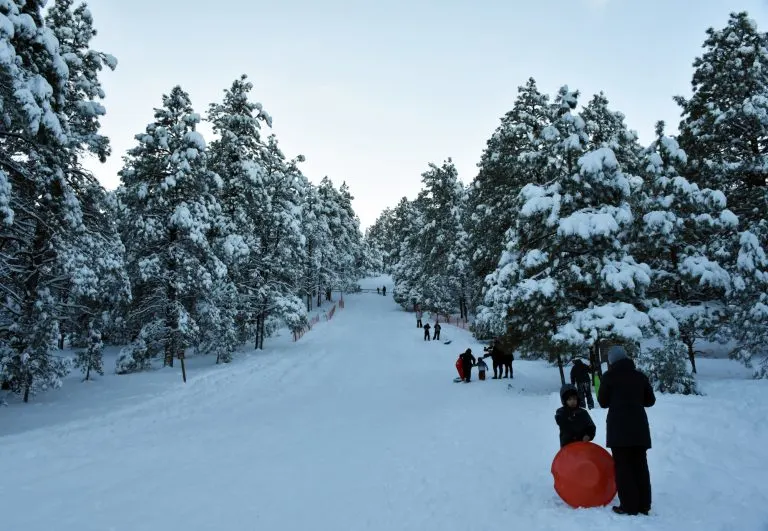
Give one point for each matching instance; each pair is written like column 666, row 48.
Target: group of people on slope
column 502, row 362
column 436, row 329
column 626, row 392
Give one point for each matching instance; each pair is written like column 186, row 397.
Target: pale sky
column 372, row 91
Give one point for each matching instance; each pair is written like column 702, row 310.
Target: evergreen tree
column 666, row 368
column 50, row 117
column 724, row 129
column 683, row 238
column 440, row 240
column 169, row 213
column 567, row 280
column 512, row 159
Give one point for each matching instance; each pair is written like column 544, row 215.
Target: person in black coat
column 575, row 423
column 436, row 335
column 496, row 354
column 467, row 361
column 426, row 332
column 582, row 379
column 626, row 392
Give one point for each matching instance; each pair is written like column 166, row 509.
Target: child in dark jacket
column 575, row 422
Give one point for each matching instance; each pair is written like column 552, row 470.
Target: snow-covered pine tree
column 50, row 117
column 344, row 249
column 606, row 128
column 444, row 269
column 567, row 279
column 234, row 156
column 317, row 245
column 666, row 368
column 724, row 131
column 724, row 128
column 73, row 28
column 169, row 211
column 281, row 250
column 407, row 259
column 511, row 159
column 683, row 237
column 747, row 302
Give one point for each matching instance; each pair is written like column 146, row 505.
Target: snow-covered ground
column 359, row 426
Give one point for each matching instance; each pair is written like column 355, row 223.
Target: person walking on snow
column 574, row 422
column 437, row 331
column 467, row 361
column 378, row 290
column 384, row 290
column 626, row 392
column 418, row 318
column 582, row 380
column 426, row 332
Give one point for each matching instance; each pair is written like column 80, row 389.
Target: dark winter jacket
column 626, row 392
column 437, row 327
column 580, row 373
column 426, row 326
column 574, row 422
column 467, row 360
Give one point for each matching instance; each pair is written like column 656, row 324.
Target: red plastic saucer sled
column 583, row 474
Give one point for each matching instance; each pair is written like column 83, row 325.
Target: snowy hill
column 358, row 426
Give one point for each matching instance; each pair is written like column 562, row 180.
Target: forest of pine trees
column 205, row 245
column 573, row 233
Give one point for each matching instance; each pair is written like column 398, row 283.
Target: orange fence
column 316, row 319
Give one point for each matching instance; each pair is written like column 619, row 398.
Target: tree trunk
column 262, row 326
column 61, row 337
column 560, row 368
column 88, row 369
column 691, row 352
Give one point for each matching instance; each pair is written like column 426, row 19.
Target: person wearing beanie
column 626, row 392
column 574, row 421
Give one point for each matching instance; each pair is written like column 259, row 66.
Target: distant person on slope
column 418, row 319
column 384, row 290
column 574, row 422
column 581, row 378
column 378, row 290
column 494, row 351
column 437, row 331
column 426, row 332
column 467, row 361
column 626, row 392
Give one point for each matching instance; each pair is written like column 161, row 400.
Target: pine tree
column 724, row 129
column 169, row 213
column 443, row 268
column 606, row 128
column 512, row 159
column 666, row 368
column 50, row 117
column 683, row 238
column 566, row 280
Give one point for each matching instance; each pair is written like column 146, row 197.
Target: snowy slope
column 358, row 426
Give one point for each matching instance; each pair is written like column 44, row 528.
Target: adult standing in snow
column 418, row 318
column 437, row 331
column 626, row 392
column 581, row 379
column 384, row 290
column 426, row 332
column 507, row 357
column 467, row 361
